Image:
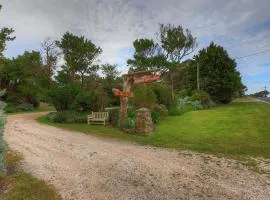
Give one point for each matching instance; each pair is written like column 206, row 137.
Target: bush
column 155, row 117
column 203, row 97
column 129, row 123
column 144, row 97
column 2, row 143
column 25, row 107
column 83, row 101
column 182, row 94
column 51, row 117
column 11, row 109
column 60, row 117
column 62, row 97
column 162, row 93
column 174, row 110
column 69, row 117
column 161, row 110
column 184, row 105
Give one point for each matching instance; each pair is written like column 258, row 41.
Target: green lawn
column 237, row 129
column 18, row 185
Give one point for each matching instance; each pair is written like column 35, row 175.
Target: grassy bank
column 238, row 129
column 18, row 185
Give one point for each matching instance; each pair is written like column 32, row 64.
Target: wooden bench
column 98, row 118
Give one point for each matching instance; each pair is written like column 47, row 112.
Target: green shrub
column 25, row 107
column 185, row 108
column 182, row 94
column 162, row 93
column 11, row 109
column 144, row 97
column 131, row 113
column 60, row 117
column 155, row 117
column 203, row 97
column 83, row 101
column 77, row 117
column 62, row 97
column 161, row 110
column 174, row 110
column 69, row 117
column 51, row 117
column 129, row 123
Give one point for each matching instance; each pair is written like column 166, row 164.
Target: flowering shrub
column 186, row 104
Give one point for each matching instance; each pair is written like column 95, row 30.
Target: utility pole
column 265, row 91
column 198, row 76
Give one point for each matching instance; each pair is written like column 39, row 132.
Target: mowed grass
column 18, row 185
column 237, row 129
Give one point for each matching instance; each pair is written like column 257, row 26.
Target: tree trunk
column 124, row 103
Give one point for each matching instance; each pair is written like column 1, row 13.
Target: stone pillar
column 143, row 122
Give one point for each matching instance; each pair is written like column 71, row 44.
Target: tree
column 176, row 43
column 22, row 77
column 5, row 35
column 50, row 54
column 110, row 72
column 263, row 93
column 146, row 57
column 80, row 55
column 218, row 74
column 62, row 97
column 166, row 56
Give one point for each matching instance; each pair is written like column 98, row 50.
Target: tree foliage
column 144, row 97
column 80, row 55
column 166, row 55
column 22, row 77
column 218, row 74
column 263, row 93
column 5, row 35
column 50, row 54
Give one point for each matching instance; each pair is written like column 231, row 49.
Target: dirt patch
column 87, row 167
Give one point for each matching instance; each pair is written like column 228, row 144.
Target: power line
column 257, row 53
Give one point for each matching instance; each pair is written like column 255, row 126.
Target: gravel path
column 84, row 167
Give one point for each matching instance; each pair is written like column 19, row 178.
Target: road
column 265, row 99
column 87, row 167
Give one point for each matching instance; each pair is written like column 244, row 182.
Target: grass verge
column 235, row 130
column 18, row 185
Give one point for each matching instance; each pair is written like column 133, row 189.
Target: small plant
column 129, row 123
column 60, row 117
column 155, row 117
column 203, row 97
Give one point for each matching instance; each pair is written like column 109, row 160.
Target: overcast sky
column 241, row 26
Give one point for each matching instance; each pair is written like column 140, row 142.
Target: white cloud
column 115, row 24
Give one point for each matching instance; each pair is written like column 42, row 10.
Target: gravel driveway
column 87, row 167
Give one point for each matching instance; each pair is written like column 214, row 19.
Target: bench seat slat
column 98, row 118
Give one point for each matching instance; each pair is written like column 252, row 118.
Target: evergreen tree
column 218, row 75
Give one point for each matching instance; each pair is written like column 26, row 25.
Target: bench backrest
column 100, row 115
